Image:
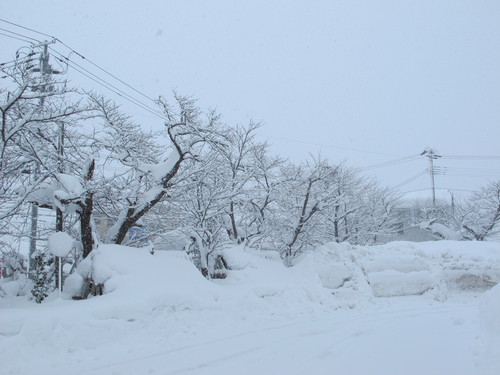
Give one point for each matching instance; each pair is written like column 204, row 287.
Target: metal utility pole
column 34, row 226
column 46, row 70
column 432, row 155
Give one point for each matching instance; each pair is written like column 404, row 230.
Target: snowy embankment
column 408, row 308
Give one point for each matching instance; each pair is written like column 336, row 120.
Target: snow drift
column 159, row 315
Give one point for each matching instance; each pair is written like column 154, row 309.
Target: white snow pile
column 440, row 231
column 137, row 282
column 342, row 307
column 490, row 311
column 490, row 324
column 60, row 244
column 407, row 268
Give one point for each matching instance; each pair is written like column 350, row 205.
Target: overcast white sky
column 362, row 81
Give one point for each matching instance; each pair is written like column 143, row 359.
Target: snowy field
column 400, row 308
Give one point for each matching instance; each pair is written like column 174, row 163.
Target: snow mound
column 136, row 282
column 405, row 268
column 392, row 283
column 157, row 309
column 403, row 263
column 490, row 311
column 329, row 263
column 60, row 244
column 237, row 258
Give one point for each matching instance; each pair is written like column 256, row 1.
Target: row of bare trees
column 77, row 154
column 476, row 217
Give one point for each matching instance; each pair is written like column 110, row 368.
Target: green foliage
column 43, row 276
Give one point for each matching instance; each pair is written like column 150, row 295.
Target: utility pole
column 432, row 155
column 46, row 70
column 34, row 226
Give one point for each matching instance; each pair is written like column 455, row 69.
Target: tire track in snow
column 277, row 337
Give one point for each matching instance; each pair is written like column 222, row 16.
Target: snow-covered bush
column 43, row 276
column 15, row 281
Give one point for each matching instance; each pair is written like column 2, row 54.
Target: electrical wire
column 106, row 71
column 391, row 162
column 121, row 93
column 471, row 157
column 324, row 145
column 101, row 81
column 13, row 37
column 26, row 28
column 125, row 95
column 113, row 89
column 411, row 179
column 438, row 188
column 82, row 70
column 416, row 190
column 17, row 34
column 10, row 64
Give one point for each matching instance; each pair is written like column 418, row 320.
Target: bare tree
column 31, row 106
column 203, row 199
column 145, row 172
column 480, row 214
column 304, row 194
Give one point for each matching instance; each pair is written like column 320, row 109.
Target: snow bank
column 157, row 309
column 331, row 264
column 490, row 311
column 264, row 286
column 440, row 231
column 136, row 281
column 406, row 268
column 391, row 283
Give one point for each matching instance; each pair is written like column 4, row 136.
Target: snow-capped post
column 60, row 244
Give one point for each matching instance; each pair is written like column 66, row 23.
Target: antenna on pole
column 432, row 155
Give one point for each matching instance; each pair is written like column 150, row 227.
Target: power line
column 9, row 64
column 391, row 162
column 106, row 84
column 115, row 90
column 26, row 28
column 438, row 188
column 472, row 157
column 411, row 179
column 107, row 72
column 324, row 145
column 101, row 80
column 20, row 35
column 14, row 37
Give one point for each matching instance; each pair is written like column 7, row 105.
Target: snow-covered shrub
column 43, row 276
column 15, row 281
column 14, row 264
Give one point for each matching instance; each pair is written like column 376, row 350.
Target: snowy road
column 435, row 339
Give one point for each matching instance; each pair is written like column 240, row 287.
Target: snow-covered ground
column 400, row 308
